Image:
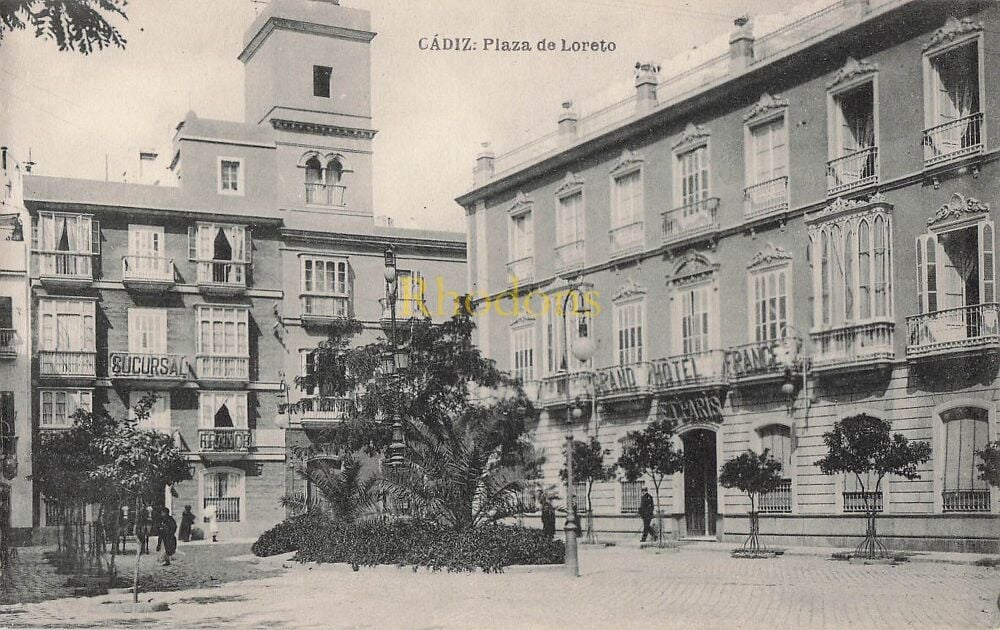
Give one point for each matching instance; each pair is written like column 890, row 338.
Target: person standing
column 646, row 514
column 165, row 536
column 548, row 517
column 212, row 518
column 187, row 521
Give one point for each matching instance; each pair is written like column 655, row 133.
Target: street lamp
column 397, row 359
column 791, row 347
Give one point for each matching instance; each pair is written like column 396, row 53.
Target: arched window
column 324, row 177
column 334, row 171
column 966, row 430
column 849, row 276
column 824, row 273
column 864, row 271
column 881, row 251
column 224, row 489
column 314, row 171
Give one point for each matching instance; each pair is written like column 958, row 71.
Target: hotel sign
column 147, row 365
column 656, row 375
column 766, row 357
column 698, row 407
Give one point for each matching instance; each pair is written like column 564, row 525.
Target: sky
column 432, row 109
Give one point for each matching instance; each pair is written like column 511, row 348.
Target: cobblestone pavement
column 619, row 588
column 35, row 577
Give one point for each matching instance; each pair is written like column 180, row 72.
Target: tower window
column 321, row 81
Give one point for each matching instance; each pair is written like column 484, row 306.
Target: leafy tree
column 589, row 467
column 81, row 25
column 753, row 475
column 862, row 445
column 989, row 467
column 651, row 452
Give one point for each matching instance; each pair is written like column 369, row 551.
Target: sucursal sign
column 135, row 365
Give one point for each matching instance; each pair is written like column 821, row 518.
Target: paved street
column 620, row 587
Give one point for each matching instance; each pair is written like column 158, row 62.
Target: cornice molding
column 765, row 106
column 692, row 136
column 322, row 130
column 522, row 320
column 522, row 204
column 851, row 70
column 841, row 205
column 770, row 255
column 569, row 183
column 953, row 29
column 630, row 289
column 958, row 208
column 626, row 162
column 338, row 32
column 692, row 268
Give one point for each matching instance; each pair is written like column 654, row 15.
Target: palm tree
column 343, row 493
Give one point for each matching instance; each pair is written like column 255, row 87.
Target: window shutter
column 930, row 273
column 987, row 269
column 247, row 245
column 921, row 281
column 95, row 236
column 192, row 242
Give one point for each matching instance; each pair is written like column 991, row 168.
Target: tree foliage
column 989, row 466
column 651, row 452
column 589, row 466
column 751, row 473
column 344, row 493
column 81, row 25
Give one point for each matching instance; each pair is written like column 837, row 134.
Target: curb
column 911, row 556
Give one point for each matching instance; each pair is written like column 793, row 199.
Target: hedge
column 415, row 543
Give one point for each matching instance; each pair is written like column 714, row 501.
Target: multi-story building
column 807, row 212
column 209, row 293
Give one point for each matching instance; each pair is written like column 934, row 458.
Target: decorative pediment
column 522, row 319
column 953, row 29
column 569, row 183
column 853, row 69
column 631, row 288
column 627, row 161
column 766, row 105
column 841, row 205
column 692, row 268
column 521, row 205
column 693, row 135
column 958, row 208
column 770, row 255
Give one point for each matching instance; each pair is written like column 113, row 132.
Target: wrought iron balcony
column 954, row 140
column 627, row 239
column 226, row 440
column 320, row 194
column 765, row 198
column 8, row 343
column 153, row 273
column 406, row 309
column 965, row 500
column 318, row 410
column 222, row 369
column 65, row 269
column 852, row 171
column 320, row 309
column 569, row 256
column 694, row 219
column 521, row 271
column 862, row 501
column 777, row 501
column 67, row 364
column 560, row 389
column 224, row 277
column 859, row 345
column 953, row 330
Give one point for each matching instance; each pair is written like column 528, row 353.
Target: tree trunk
column 659, row 513
column 115, row 531
column 138, row 555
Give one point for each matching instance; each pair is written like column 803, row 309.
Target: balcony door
column 159, row 412
column 223, row 410
column 145, row 249
column 769, row 151
column 147, row 330
column 66, row 325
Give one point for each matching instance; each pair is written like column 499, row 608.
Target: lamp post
column 398, row 359
column 583, row 349
column 791, row 349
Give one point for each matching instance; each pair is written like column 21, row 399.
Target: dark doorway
column 700, row 470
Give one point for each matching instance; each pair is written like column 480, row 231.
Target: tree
column 651, row 452
column 753, row 475
column 81, row 25
column 343, row 492
column 861, row 445
column 589, row 467
column 989, row 467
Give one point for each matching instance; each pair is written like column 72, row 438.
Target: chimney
column 741, row 44
column 646, row 80
column 483, row 172
column 146, row 156
column 30, row 164
column 567, row 123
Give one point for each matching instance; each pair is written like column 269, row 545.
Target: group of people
column 158, row 522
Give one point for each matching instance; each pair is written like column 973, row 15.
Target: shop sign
column 694, row 408
column 129, row 365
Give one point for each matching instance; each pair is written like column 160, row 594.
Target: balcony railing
column 965, row 500
column 955, row 139
column 627, row 239
column 953, row 330
column 855, row 501
column 569, row 256
column 849, row 346
column 227, row 509
column 765, row 198
column 65, row 363
column 615, row 380
column 406, row 309
column 8, row 343
column 325, row 306
column 322, row 408
column 852, row 171
column 151, row 269
column 70, row 266
column 521, row 270
column 762, row 359
column 222, row 273
column 561, row 388
column 225, row 440
column 324, row 194
column 699, row 217
column 222, row 368
column 777, row 501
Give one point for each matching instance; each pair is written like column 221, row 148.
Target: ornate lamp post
column 583, row 349
column 395, row 361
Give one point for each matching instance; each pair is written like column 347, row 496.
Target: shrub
column 416, row 543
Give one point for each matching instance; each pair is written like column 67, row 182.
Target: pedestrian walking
column 646, row 514
column 143, row 527
column 187, row 521
column 165, row 536
column 548, row 517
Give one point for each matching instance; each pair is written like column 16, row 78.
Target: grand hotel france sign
column 153, row 365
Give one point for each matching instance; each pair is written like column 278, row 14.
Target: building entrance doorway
column 700, row 479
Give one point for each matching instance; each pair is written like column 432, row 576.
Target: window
column 557, row 328
column 853, row 152
column 858, row 492
column 231, row 176
column 569, row 219
column 692, row 169
column 222, row 331
column 629, row 318
column 224, row 490
column 66, row 325
column 955, row 268
column 955, row 83
column 222, row 410
column 321, row 81
column 6, row 313
column 580, row 496
column 627, row 207
column 769, row 291
column 694, row 320
column 966, row 430
column 631, row 496
column 159, row 413
column 953, row 92
column 777, row 440
column 57, row 406
column 147, row 330
column 522, row 344
column 63, row 244
column 222, row 252
column 145, row 241
column 325, row 286
column 522, row 238
column 7, row 428
column 768, row 157
column 323, row 179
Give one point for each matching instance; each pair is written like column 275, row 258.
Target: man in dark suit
column 646, row 514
